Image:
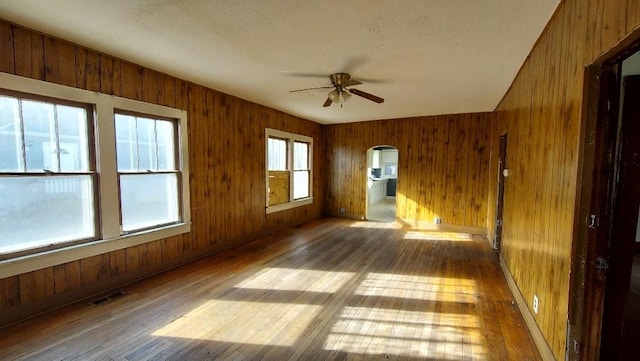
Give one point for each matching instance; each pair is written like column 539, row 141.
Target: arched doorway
column 382, row 183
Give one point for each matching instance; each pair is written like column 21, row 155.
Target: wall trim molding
column 541, row 343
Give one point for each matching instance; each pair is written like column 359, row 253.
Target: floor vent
column 108, row 298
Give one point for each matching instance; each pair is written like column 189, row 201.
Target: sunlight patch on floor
column 257, row 323
column 291, row 279
column 378, row 225
column 418, row 287
column 438, row 236
column 376, row 331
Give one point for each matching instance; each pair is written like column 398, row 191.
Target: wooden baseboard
column 536, row 333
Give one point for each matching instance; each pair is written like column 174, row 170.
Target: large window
column 82, row 167
column 289, row 171
column 147, row 171
column 47, row 177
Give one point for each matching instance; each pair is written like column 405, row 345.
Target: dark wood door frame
column 626, row 196
column 591, row 225
column 502, row 166
column 594, row 202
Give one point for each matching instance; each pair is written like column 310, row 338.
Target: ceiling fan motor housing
column 340, row 80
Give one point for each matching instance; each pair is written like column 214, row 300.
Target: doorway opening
column 604, row 314
column 382, row 183
column 621, row 313
column 502, row 173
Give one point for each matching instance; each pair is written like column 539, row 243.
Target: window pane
column 148, row 200
column 126, row 143
column 300, row 184
column 10, row 136
column 72, row 132
column 300, row 156
column 277, row 154
column 147, row 156
column 39, row 136
column 166, row 149
column 41, row 211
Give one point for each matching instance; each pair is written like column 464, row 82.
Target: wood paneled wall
column 227, row 170
column 442, row 167
column 542, row 115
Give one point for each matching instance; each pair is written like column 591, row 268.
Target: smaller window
column 277, row 154
column 301, row 170
column 289, row 170
column 147, row 171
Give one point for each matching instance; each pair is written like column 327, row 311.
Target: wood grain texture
column 442, row 167
column 227, row 178
column 329, row 290
column 278, row 187
column 542, row 114
column 7, row 60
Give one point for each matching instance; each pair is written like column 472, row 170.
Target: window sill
column 289, row 205
column 29, row 263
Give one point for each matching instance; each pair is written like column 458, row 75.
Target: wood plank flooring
column 331, row 289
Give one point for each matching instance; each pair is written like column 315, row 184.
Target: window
column 147, row 171
column 289, row 170
column 301, row 170
column 82, row 167
column 47, row 176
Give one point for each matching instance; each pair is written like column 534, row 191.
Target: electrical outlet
column 342, row 210
column 536, row 304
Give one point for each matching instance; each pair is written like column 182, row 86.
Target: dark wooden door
column 502, row 165
column 626, row 193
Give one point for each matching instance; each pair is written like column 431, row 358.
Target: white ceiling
column 425, row 57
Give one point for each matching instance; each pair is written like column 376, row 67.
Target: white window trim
column 290, row 137
column 112, row 240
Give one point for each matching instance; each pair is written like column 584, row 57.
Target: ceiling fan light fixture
column 334, row 95
column 346, row 96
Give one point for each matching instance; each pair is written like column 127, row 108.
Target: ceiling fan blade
column 305, row 75
column 352, row 82
column 327, row 103
column 371, row 97
column 318, row 87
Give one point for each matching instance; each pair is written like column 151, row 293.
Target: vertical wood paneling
column 118, row 262
column 614, row 22
column 633, row 15
column 29, row 48
column 11, row 291
column 87, row 68
column 60, row 62
column 7, row 57
column 542, row 115
column 131, row 76
column 94, row 269
column 443, row 165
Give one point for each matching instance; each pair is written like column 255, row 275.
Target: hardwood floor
column 329, row 290
column 383, row 210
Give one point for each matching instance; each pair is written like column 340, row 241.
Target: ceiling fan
column 342, row 91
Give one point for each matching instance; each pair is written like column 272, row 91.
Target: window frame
column 290, row 138
column 109, row 236
column 91, row 171
column 176, row 168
